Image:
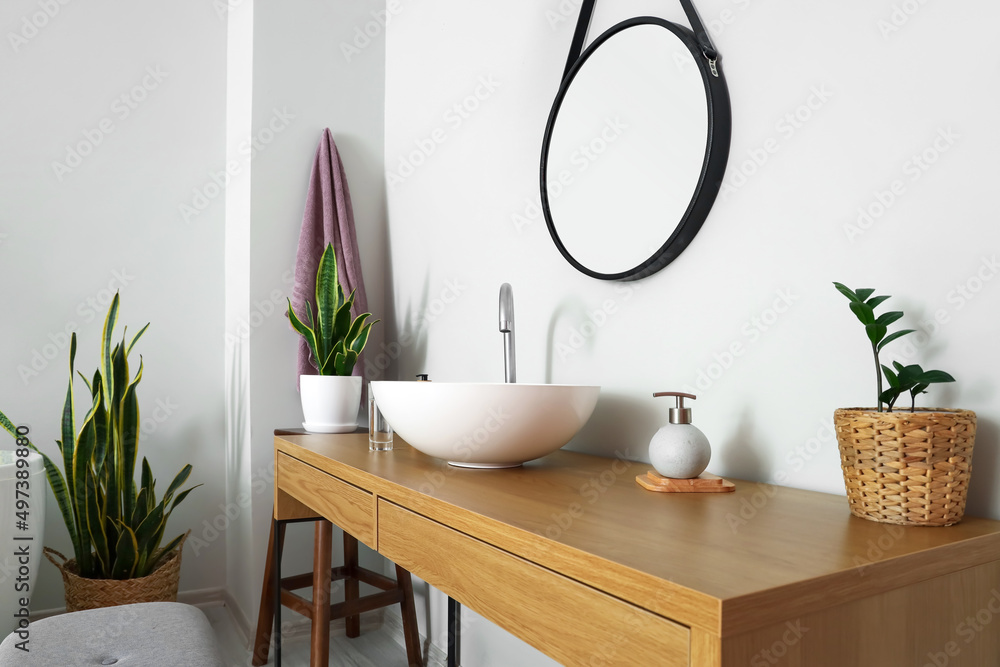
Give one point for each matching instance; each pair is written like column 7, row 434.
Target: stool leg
column 276, row 588
column 319, row 655
column 411, row 633
column 352, row 587
column 265, row 614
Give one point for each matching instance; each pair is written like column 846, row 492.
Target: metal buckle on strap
column 712, row 56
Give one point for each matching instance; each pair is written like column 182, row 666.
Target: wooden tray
column 704, row 483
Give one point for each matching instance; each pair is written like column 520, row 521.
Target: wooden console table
column 571, row 555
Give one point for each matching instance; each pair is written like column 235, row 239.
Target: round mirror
column 635, row 150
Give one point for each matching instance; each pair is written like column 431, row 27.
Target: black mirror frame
column 716, row 152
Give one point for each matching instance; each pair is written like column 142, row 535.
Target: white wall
column 466, row 219
column 69, row 239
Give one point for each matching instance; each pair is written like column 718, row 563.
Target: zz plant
column 335, row 341
column 902, row 379
column 116, row 526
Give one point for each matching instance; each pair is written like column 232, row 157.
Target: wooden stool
column 319, row 610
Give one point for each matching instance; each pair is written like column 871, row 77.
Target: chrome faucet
column 507, row 329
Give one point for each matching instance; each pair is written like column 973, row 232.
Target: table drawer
column 344, row 504
column 569, row 621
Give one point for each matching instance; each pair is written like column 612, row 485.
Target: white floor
column 374, row 648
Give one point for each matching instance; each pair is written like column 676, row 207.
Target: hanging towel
column 328, row 218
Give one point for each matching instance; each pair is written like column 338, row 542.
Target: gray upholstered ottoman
column 151, row 634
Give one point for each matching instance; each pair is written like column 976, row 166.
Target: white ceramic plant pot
column 330, row 403
column 12, row 568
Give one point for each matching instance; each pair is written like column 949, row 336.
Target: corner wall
column 171, row 106
column 304, row 80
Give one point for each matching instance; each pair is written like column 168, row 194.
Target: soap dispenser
column 679, row 450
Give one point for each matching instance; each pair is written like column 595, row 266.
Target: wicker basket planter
column 907, row 468
column 83, row 593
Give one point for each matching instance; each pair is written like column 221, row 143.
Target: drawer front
column 344, row 504
column 572, row 623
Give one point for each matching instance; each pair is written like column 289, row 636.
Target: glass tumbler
column 379, row 429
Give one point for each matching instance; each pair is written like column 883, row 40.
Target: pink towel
column 328, row 218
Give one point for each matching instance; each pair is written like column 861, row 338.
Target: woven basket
column 906, row 468
column 83, row 593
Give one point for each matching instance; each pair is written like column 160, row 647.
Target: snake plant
column 912, row 378
column 115, row 525
column 335, row 341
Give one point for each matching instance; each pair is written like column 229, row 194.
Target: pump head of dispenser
column 679, row 450
column 678, row 414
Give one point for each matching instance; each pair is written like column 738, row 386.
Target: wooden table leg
column 454, row 633
column 319, row 655
column 352, row 587
column 411, row 632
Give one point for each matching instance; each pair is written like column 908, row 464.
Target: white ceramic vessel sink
column 485, row 425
